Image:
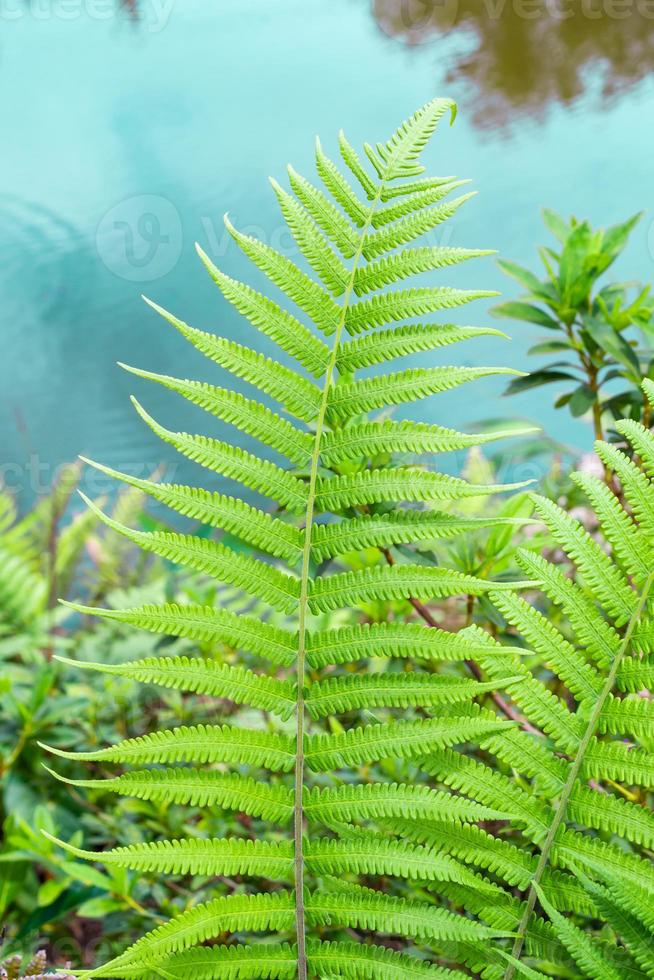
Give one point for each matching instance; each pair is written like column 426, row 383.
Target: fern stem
column 302, row 719
column 573, row 775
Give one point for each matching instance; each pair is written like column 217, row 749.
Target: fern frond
column 311, row 243
column 372, row 801
column 636, row 487
column 254, row 526
column 405, row 304
column 383, row 582
column 381, row 346
column 198, row 787
column 360, row 397
column 293, row 337
column 235, row 464
column 339, row 187
column 570, row 665
column 411, row 262
column 297, row 395
column 244, row 413
column 207, row 624
column 369, row 854
column 197, row 744
column 256, row 578
column 396, row 739
column 600, row 573
column 264, row 961
column 396, row 527
column 398, row 157
column 488, row 786
column 631, row 549
column 395, row 640
column 358, row 961
column 406, row 230
column 328, row 217
column 601, row 639
column 351, row 158
column 416, row 201
column 630, row 821
column 249, row 913
column 209, row 677
column 627, row 716
column 620, row 762
column 365, row 909
column 586, row 955
column 636, row 674
column 196, row 856
column 336, row 494
column 355, row 692
column 268, row 316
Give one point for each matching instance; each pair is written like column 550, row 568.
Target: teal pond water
column 130, row 130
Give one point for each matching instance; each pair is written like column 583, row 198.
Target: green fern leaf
column 570, row 664
column 411, row 262
column 212, row 558
column 309, row 350
column 252, row 913
column 381, row 346
column 235, row 464
column 252, row 525
column 199, row 676
column 372, row 801
column 358, row 961
column 351, row 158
column 363, row 908
column 607, row 582
column 336, row 494
column 385, row 582
column 586, row 955
column 629, row 547
column 197, row 744
column 404, row 304
column 406, row 230
column 416, row 201
column 368, row 854
column 339, row 187
column 264, row 961
column 328, row 217
column 394, row 640
column 636, row 487
column 206, row 624
column 338, row 695
column 297, row 395
column 311, row 243
column 361, row 397
column 245, row 414
column 397, row 739
column 195, row 856
column 198, row 787
column 396, row 527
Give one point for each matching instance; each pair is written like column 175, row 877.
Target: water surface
column 129, row 131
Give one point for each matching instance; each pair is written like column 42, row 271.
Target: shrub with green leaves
column 602, row 333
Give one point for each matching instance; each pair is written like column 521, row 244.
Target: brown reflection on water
column 520, row 56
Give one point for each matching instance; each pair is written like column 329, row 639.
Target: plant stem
column 573, row 775
column 302, row 720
